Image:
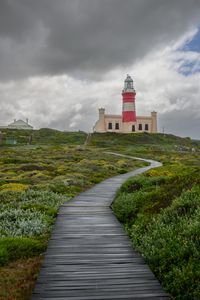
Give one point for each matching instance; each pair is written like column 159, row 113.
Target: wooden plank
column 89, row 255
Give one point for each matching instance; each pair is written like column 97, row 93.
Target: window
column 140, row 127
column 116, row 126
column 109, row 125
column 146, row 127
column 133, row 127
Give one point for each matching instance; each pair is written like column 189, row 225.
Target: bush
column 15, row 248
column 146, row 195
column 21, row 222
column 4, row 257
column 127, row 206
column 10, row 197
column 170, row 244
column 161, row 212
column 45, row 198
column 46, row 210
column 140, row 182
column 59, row 187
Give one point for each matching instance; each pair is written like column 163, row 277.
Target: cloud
column 66, row 103
column 86, row 38
column 162, row 87
column 183, row 123
column 62, row 60
column 58, row 101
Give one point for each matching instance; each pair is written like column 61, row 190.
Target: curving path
column 89, row 255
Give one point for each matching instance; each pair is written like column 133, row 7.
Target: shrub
column 140, row 182
column 32, row 167
column 161, row 214
column 158, row 172
column 147, row 195
column 126, row 206
column 10, row 197
column 15, row 248
column 59, row 187
column 170, row 244
column 4, row 256
column 21, row 222
column 10, row 160
column 45, row 198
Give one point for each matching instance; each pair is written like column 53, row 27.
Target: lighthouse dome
column 128, row 83
column 128, row 78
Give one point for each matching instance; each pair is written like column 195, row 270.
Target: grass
column 13, row 248
column 61, row 169
column 159, row 209
column 142, row 140
column 34, row 181
column 44, row 136
column 170, row 245
column 18, row 278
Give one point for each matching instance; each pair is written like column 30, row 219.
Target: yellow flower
column 158, row 172
column 14, row 187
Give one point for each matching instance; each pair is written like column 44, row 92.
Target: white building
column 18, row 124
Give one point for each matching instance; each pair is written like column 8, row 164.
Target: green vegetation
column 159, row 209
column 44, row 136
column 61, row 169
column 12, row 249
column 142, row 140
column 34, row 181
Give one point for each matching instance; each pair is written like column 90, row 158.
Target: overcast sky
column 60, row 60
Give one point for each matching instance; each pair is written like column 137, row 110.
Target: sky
column 62, row 60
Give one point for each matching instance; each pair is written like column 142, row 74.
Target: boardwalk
column 89, row 255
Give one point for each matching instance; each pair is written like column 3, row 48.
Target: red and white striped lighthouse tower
column 128, row 94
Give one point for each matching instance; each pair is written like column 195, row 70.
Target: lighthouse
column 128, row 107
column 126, row 122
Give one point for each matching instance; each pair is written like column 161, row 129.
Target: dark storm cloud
column 86, row 36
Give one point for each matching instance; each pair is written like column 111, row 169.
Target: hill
column 43, row 136
column 138, row 141
column 141, row 139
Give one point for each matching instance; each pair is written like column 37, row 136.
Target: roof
column 128, row 78
column 20, row 124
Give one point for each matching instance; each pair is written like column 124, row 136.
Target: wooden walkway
column 89, row 255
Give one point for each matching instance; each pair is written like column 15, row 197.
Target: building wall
column 20, row 127
column 100, row 125
column 154, row 121
column 116, row 122
column 143, row 123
